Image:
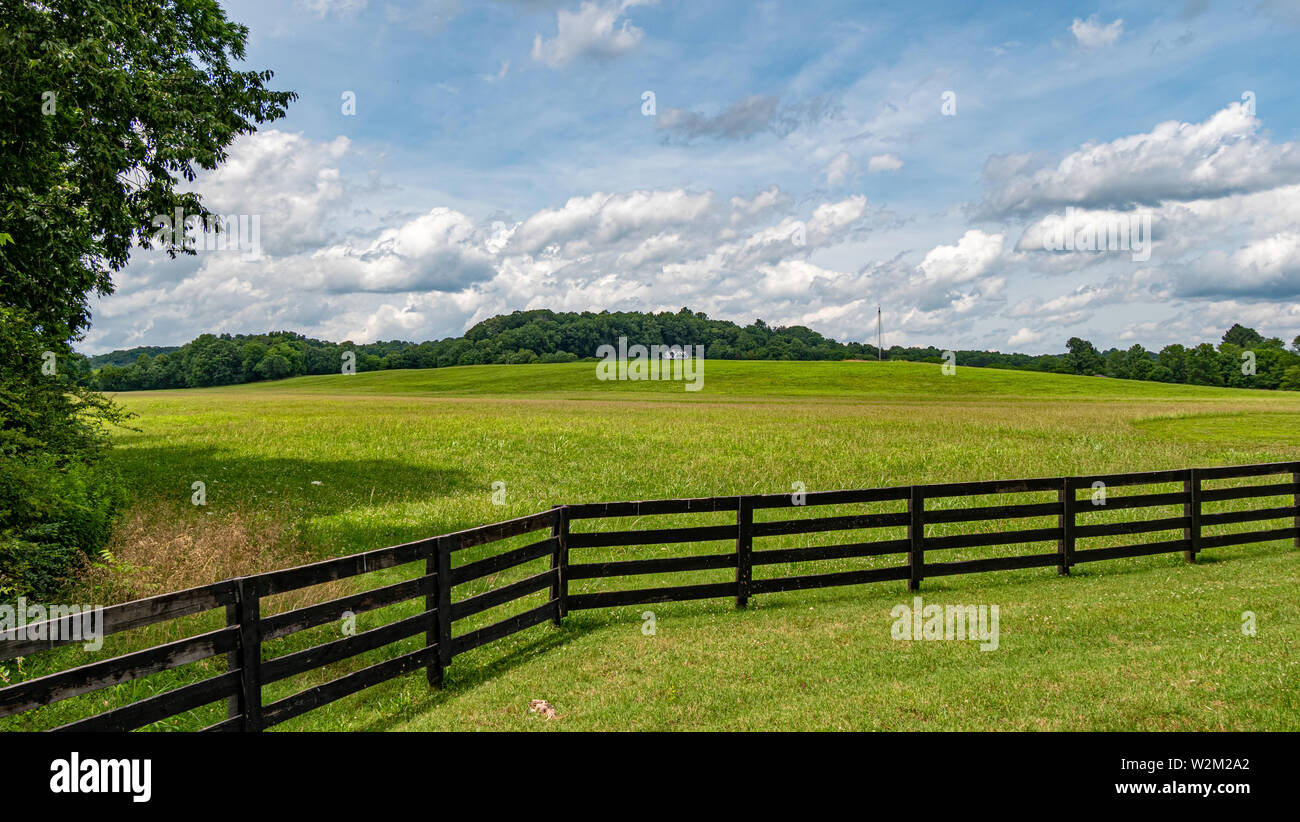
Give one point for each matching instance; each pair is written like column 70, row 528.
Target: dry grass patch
column 157, row 549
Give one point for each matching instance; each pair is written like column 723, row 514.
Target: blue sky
column 803, row 162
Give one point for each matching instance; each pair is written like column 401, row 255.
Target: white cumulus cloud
column 1092, row 33
column 1222, row 155
column 593, row 30
column 884, row 162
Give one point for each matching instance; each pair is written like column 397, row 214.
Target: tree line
column 1244, row 359
column 521, row 337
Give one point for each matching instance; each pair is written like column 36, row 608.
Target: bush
column 55, row 519
column 273, row 367
column 1291, row 379
column 57, row 500
column 521, row 357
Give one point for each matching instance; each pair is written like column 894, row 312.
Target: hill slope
column 853, row 381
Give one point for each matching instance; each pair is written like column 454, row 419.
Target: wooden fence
column 918, row 556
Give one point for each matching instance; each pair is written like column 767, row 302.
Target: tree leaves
column 110, row 103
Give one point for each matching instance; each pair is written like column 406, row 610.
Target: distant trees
column 518, row 338
column 1291, row 379
column 1134, row 364
column 211, row 360
column 1174, row 358
column 1203, row 366
column 1083, row 357
column 543, row 336
column 1268, row 365
column 1244, row 359
column 1139, row 363
column 1243, row 337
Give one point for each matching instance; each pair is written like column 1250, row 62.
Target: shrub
column 1291, row 379
column 57, row 500
column 55, row 518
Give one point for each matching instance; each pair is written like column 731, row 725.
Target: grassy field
column 322, row 466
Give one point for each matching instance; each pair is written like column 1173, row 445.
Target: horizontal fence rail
column 1173, row 508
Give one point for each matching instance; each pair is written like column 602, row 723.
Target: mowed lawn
column 322, row 466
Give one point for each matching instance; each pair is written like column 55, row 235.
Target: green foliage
column 511, row 339
column 273, row 367
column 56, row 497
column 1291, row 379
column 1203, row 366
column 548, row 337
column 1083, row 357
column 1161, row 374
column 104, row 106
column 56, row 515
column 1243, row 337
column 126, row 356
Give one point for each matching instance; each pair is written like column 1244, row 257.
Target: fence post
column 1192, row 510
column 1295, row 478
column 233, row 706
column 443, row 548
column 250, row 653
column 560, row 562
column 915, row 536
column 744, row 550
column 433, row 673
column 1065, row 520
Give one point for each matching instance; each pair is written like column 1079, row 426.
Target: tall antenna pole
column 879, row 356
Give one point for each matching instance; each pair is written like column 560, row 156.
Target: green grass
column 852, row 381
column 1145, row 643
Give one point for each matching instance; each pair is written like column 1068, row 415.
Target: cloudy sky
column 801, row 162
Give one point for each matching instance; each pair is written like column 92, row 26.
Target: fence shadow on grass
column 472, row 675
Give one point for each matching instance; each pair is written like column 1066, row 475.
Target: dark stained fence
column 651, row 536
column 56, row 687
column 819, row 524
column 242, row 640
column 548, row 547
column 1018, row 536
column 256, row 672
column 1179, row 511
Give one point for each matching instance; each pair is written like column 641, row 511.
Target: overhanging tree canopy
column 105, row 106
